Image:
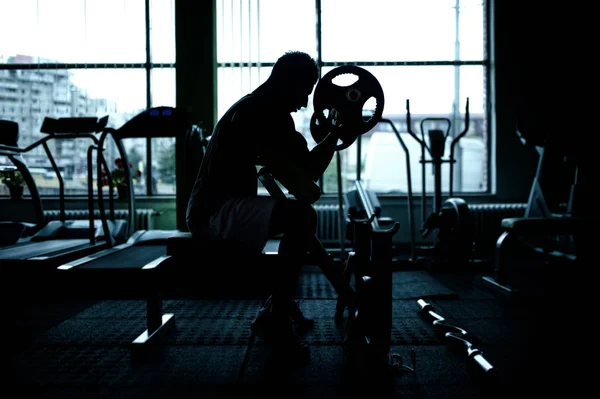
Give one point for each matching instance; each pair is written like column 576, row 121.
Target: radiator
column 328, row 228
column 144, row 217
column 487, row 220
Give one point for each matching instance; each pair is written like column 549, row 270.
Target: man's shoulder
column 252, row 99
column 248, row 104
column 259, row 108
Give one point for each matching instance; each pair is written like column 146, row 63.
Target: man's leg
column 297, row 222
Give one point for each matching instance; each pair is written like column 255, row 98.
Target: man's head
column 293, row 77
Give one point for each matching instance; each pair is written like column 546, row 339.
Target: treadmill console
column 73, row 125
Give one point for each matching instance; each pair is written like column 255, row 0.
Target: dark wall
column 540, row 74
column 196, row 58
column 515, row 163
column 196, row 89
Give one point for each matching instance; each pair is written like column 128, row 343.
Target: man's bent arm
column 320, row 156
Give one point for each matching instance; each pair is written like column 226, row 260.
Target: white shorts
column 244, row 220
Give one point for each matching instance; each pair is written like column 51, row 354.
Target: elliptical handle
column 453, row 144
column 466, row 129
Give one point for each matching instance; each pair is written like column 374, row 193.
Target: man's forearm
column 321, row 155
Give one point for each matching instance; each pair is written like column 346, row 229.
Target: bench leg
column 499, row 282
column 158, row 326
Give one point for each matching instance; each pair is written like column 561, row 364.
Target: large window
column 430, row 54
column 88, row 58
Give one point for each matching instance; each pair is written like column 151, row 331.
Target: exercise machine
column 141, row 246
column 554, row 232
column 60, row 240
column 450, row 220
column 12, row 232
column 369, row 271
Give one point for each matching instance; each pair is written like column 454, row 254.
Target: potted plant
column 15, row 182
column 118, row 178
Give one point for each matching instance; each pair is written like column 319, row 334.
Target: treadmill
column 143, row 248
column 12, row 232
column 59, row 241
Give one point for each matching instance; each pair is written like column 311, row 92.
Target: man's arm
column 311, row 165
column 287, row 158
column 291, row 163
column 320, row 156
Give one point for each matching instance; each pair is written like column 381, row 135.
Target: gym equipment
column 81, row 125
column 11, row 231
column 458, row 337
column 368, row 270
column 342, row 107
column 451, row 219
column 554, row 232
column 153, row 122
column 139, row 262
column 356, row 209
column 61, row 240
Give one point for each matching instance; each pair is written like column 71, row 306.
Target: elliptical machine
column 450, row 220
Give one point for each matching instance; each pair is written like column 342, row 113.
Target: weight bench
column 516, row 230
column 553, row 234
column 126, row 275
column 158, row 323
column 219, row 268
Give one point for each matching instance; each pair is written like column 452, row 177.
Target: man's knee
column 308, row 218
column 294, row 217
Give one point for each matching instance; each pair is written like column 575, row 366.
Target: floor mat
column 418, row 284
column 405, row 285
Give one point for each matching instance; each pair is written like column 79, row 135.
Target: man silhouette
column 258, row 130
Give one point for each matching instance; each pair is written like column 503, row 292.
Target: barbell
column 344, row 108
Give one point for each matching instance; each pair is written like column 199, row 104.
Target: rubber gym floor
column 69, row 347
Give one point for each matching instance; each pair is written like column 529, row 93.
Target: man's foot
column 302, row 323
column 287, row 349
column 262, row 325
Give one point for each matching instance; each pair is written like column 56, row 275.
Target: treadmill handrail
column 14, row 153
column 100, row 161
column 9, row 149
column 36, row 199
column 153, row 122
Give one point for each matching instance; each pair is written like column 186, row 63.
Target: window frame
column 484, row 63
column 148, row 66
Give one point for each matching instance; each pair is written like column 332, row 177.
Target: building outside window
column 88, row 58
